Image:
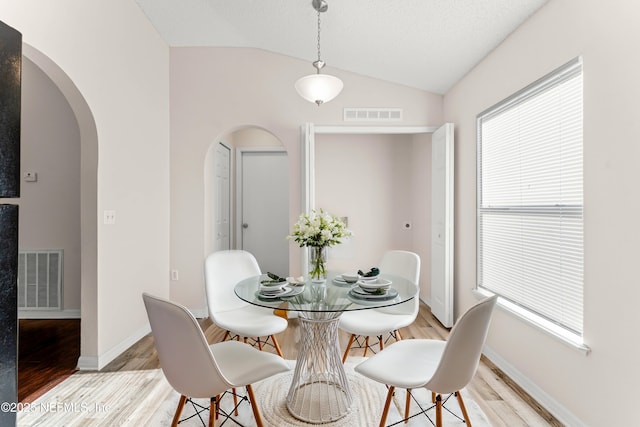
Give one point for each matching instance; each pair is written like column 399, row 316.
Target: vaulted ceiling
column 426, row 44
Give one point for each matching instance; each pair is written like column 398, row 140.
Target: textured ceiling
column 426, row 44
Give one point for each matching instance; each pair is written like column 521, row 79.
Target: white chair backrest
column 222, row 270
column 463, row 349
column 406, row 265
column 185, row 357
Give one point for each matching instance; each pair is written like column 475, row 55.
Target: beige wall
column 370, row 180
column 217, row 90
column 50, row 207
column 117, row 83
column 597, row 389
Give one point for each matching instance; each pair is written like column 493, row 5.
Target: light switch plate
column 109, row 217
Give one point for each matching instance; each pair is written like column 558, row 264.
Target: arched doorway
column 255, row 156
column 88, row 199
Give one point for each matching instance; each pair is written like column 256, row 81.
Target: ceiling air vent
column 372, row 114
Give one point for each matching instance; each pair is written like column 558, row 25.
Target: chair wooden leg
column 226, row 335
column 213, row 411
column 463, row 408
column 439, row 410
column 346, row 352
column 235, row 401
column 407, row 406
column 433, row 397
column 259, row 343
column 217, row 406
column 366, row 346
column 398, row 335
column 277, row 346
column 381, row 342
column 176, row 416
column 254, row 406
column 385, row 411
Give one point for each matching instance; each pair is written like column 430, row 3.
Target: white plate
column 293, row 292
column 338, row 280
column 372, row 285
column 286, row 291
column 353, row 276
column 270, row 294
column 359, row 294
column 368, row 279
column 272, row 287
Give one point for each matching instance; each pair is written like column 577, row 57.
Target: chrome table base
column 319, row 391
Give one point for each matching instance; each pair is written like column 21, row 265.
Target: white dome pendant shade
column 319, row 88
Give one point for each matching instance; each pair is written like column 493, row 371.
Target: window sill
column 572, row 340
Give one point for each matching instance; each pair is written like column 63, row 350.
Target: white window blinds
column 530, row 203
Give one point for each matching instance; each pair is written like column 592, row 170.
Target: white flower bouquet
column 318, row 230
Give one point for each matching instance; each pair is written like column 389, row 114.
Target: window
column 530, row 199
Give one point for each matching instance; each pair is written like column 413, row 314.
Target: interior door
column 264, row 208
column 442, row 224
column 222, row 227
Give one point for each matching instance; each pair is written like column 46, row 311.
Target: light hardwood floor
column 504, row 403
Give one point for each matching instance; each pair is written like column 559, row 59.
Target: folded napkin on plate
column 373, row 272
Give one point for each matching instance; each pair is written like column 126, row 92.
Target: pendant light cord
column 319, row 60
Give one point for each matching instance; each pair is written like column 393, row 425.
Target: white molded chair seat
column 443, row 367
column 373, row 322
column 379, row 322
column 196, row 369
column 250, row 321
column 223, row 270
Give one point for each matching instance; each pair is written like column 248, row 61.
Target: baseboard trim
column 96, row 363
column 49, row 314
column 88, row 363
column 199, row 313
column 561, row 413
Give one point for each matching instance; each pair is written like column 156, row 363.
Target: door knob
column 245, row 225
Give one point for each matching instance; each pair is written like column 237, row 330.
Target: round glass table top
column 334, row 295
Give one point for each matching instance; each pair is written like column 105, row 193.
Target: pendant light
column 319, row 88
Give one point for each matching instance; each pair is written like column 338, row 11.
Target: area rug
column 145, row 398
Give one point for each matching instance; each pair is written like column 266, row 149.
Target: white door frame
column 308, row 132
column 238, row 192
column 228, row 207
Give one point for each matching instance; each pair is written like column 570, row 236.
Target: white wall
column 366, row 179
column 597, row 389
column 50, row 207
column 115, row 60
column 214, row 90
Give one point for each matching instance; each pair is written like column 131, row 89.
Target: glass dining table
column 319, row 391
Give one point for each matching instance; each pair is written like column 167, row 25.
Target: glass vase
column 317, row 263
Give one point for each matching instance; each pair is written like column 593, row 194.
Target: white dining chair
column 384, row 323
column 443, row 367
column 196, row 369
column 240, row 320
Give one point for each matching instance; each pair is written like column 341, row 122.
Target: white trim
column 93, row 363
column 87, row 363
column 307, row 145
column 376, row 130
column 557, row 332
column 200, row 313
column 49, row 314
column 549, row 403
